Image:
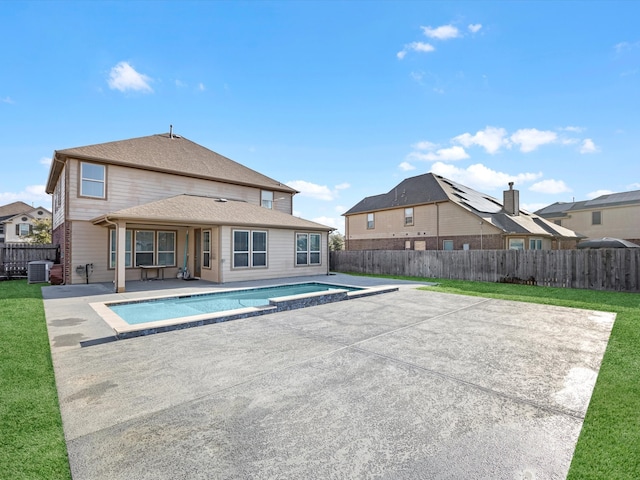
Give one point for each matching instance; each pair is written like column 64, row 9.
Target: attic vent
column 224, row 200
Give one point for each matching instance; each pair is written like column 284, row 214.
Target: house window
column 308, row 249
column 145, row 244
column 249, row 248
column 371, row 223
column 558, row 222
column 596, row 218
column 516, row 244
column 266, row 199
column 206, row 248
column 535, row 244
column 166, row 248
column 408, row 216
column 112, row 249
column 1, row 229
column 92, row 180
column 447, row 244
column 23, row 229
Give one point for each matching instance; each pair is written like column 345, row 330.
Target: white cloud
column 550, row 186
column 530, row 139
column 201, row 87
column 450, row 154
column 180, row 84
column 7, row 100
column 443, row 32
column 633, row 186
column 491, row 139
column 598, row 193
column 46, row 161
column 425, row 145
column 406, row 167
column 340, row 209
column 319, row 192
column 32, row 195
column 573, row 129
column 588, row 146
column 533, row 207
column 415, row 47
column 124, row 77
column 474, row 27
column 481, row 177
column 329, row 221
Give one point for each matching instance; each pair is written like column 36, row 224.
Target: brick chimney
column 511, row 201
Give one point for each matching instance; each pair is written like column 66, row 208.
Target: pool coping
column 124, row 330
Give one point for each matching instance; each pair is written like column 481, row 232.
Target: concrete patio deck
column 404, row 385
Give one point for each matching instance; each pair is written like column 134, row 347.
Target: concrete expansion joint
column 490, row 391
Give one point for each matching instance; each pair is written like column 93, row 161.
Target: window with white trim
column 92, row 180
column 112, row 248
column 23, row 229
column 266, row 199
column 371, row 221
column 408, row 216
column 145, row 247
column 166, row 249
column 308, row 249
column 249, row 248
column 206, row 248
column 535, row 244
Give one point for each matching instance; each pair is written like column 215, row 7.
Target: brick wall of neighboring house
column 489, row 242
column 61, row 235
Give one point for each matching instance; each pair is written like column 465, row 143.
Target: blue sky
column 340, row 100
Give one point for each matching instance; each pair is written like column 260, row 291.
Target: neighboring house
column 165, row 201
column 614, row 215
column 17, row 220
column 430, row 212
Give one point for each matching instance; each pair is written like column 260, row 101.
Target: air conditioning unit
column 38, row 271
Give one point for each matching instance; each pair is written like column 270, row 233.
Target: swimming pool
column 134, row 318
column 138, row 312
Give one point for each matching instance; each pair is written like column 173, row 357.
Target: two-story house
column 613, row 215
column 17, row 220
column 430, row 212
column 165, row 202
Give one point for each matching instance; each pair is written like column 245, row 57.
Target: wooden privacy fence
column 14, row 257
column 602, row 269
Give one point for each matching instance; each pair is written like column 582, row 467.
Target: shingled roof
column 431, row 188
column 561, row 209
column 166, row 153
column 188, row 210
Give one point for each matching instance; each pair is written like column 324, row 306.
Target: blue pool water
column 138, row 312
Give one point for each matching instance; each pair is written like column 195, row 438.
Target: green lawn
column 32, row 443
column 609, row 443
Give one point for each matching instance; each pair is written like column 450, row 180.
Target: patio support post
column 121, row 250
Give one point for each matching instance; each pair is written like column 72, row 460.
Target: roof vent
column 224, row 200
column 170, row 131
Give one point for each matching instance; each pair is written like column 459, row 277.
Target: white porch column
column 121, row 250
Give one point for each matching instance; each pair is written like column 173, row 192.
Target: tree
column 336, row 241
column 41, row 232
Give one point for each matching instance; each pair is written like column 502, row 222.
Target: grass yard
column 32, row 442
column 609, row 443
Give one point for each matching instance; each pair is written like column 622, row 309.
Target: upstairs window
column 266, row 199
column 371, row 221
column 596, row 218
column 408, row 216
column 92, row 180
